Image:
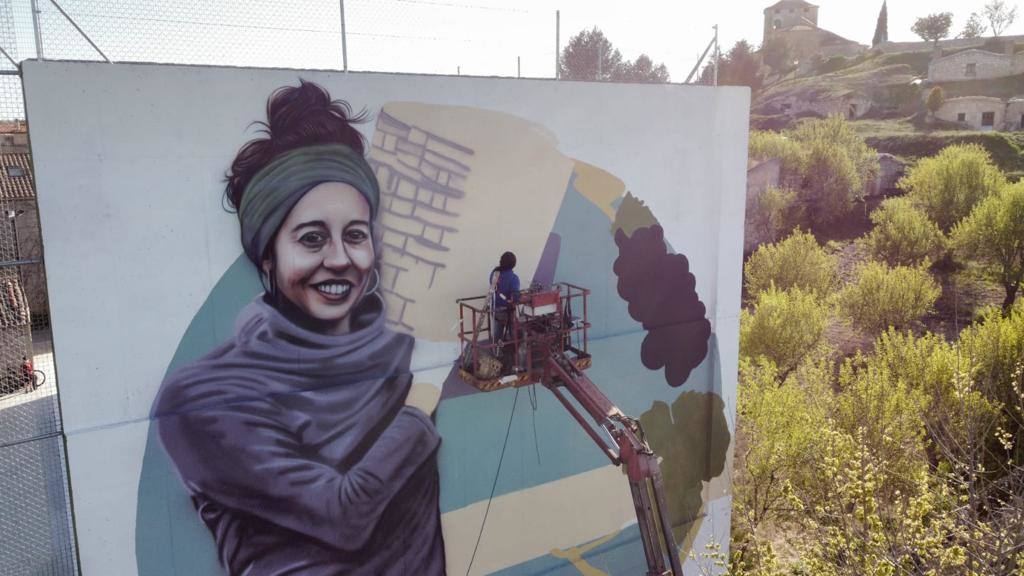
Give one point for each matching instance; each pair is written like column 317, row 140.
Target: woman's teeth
column 332, row 289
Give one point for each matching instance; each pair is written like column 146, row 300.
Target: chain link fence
column 440, row 37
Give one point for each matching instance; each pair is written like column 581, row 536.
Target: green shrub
column 784, row 327
column 837, row 167
column 887, row 414
column 883, row 296
column 903, row 234
column 994, row 349
column 936, row 98
column 765, row 145
column 798, row 261
column 781, row 418
column 943, row 373
column 993, row 235
column 825, row 160
column 775, row 212
column 950, row 184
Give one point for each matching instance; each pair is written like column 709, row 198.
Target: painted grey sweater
column 300, row 454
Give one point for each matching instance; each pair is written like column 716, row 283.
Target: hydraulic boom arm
column 631, row 451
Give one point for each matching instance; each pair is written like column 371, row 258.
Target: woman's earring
column 267, row 279
column 376, row 284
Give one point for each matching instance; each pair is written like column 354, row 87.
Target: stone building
column 21, row 238
column 977, row 64
column 795, row 22
column 984, row 112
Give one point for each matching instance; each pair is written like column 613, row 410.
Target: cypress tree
column 882, row 27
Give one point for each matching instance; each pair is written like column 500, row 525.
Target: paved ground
column 34, row 523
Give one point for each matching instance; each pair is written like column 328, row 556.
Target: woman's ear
column 268, row 266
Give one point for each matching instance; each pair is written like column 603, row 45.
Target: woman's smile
column 334, row 290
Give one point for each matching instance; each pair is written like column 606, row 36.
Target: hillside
column 886, row 93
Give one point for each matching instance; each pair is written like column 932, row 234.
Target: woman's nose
column 336, row 257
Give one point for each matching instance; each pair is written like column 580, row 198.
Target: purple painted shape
column 545, row 273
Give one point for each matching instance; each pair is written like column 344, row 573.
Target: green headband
column 278, row 187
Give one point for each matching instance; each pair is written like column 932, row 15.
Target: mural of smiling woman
column 303, row 443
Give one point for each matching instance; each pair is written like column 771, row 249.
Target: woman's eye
column 313, row 239
column 356, row 235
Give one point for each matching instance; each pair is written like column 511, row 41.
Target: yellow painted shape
column 602, row 188
column 575, row 555
column 527, row 524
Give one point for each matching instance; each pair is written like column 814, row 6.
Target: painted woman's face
column 323, row 255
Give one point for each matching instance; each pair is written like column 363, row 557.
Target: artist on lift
column 505, row 291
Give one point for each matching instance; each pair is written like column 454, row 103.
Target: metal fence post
column 558, row 43
column 344, row 46
column 35, row 28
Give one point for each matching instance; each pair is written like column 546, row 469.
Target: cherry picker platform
column 547, row 344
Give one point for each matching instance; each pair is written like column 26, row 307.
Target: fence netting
column 472, row 37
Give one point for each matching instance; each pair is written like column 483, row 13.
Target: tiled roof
column 12, row 185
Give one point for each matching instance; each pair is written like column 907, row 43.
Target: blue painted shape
column 170, row 539
column 589, row 251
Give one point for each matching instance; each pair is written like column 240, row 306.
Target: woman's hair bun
column 297, row 116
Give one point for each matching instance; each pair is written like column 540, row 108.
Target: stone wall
column 890, row 170
column 760, row 177
column 421, row 179
column 1014, row 114
column 951, row 44
column 986, row 65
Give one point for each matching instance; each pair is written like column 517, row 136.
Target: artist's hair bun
column 297, row 116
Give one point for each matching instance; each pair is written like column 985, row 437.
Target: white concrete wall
column 130, row 175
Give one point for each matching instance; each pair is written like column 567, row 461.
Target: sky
column 473, row 37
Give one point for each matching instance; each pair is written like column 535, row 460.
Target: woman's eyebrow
column 357, row 223
column 309, row 223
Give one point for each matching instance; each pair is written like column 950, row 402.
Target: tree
column 903, row 234
column 642, row 70
column 784, row 327
column 999, row 16
column 936, row 98
column 881, row 27
column 589, row 55
column 947, row 186
column 739, row 67
column 974, row 28
column 933, row 27
column 795, row 262
column 778, row 54
column 993, row 234
column 882, row 297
